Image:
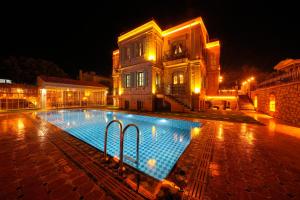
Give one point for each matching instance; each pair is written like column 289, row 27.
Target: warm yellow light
column 153, row 131
column 252, row 78
column 272, row 103
column 19, row 90
column 167, row 32
column 44, row 91
column 170, row 184
column 153, row 90
column 220, row 132
column 197, row 90
column 212, row 44
column 116, row 158
column 195, row 132
column 20, row 124
column 151, row 57
column 220, row 79
column 174, row 30
column 151, row 163
column 120, row 91
column 140, row 29
column 220, row 97
column 255, row 102
column 227, row 90
column 87, row 93
column 115, row 52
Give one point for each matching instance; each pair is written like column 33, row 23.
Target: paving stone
column 250, row 161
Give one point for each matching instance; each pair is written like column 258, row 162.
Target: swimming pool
column 162, row 140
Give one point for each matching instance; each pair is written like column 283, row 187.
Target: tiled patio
column 248, row 161
column 32, row 167
column 255, row 162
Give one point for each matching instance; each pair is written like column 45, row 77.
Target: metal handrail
column 122, row 144
column 106, row 132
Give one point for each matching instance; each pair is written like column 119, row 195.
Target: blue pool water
column 162, row 141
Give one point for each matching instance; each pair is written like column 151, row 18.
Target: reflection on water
column 153, row 132
column 151, row 163
column 162, row 141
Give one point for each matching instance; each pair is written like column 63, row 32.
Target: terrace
column 41, row 160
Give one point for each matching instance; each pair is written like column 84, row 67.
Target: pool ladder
column 122, row 134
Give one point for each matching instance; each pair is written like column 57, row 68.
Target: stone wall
column 287, row 102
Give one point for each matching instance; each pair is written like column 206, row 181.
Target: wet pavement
column 249, row 161
column 255, row 162
column 33, row 168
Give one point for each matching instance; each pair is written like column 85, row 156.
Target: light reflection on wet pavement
column 249, row 162
column 255, row 162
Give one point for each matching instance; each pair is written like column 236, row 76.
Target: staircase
column 176, row 104
column 245, row 103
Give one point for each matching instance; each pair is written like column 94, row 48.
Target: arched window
column 178, row 49
column 255, row 101
column 272, row 103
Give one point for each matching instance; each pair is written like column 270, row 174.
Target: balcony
column 278, row 79
column 171, row 55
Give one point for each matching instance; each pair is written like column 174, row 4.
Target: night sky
column 82, row 35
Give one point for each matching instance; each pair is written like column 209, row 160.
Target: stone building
column 172, row 69
column 279, row 96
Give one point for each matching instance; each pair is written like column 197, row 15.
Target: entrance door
column 178, row 87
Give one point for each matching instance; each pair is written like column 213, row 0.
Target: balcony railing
column 281, row 79
column 171, row 55
column 228, row 92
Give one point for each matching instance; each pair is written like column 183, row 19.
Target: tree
column 26, row 70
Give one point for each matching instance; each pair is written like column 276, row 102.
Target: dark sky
column 83, row 35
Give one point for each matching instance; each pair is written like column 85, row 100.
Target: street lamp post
column 247, row 86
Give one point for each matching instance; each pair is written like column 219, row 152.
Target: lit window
column 141, row 79
column 175, row 80
column 181, row 79
column 127, row 80
column 140, row 49
column 178, row 49
column 128, row 53
column 157, row 79
column 272, row 103
column 255, row 102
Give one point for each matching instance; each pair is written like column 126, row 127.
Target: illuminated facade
column 66, row 93
column 172, row 69
column 18, row 96
column 279, row 95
